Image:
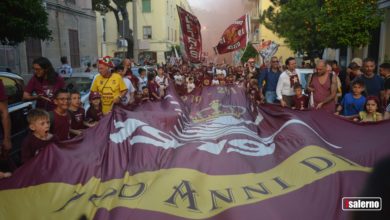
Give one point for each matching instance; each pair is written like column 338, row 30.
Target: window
column 147, row 32
column 74, row 48
column 146, row 6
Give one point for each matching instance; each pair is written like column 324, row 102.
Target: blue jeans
column 270, row 96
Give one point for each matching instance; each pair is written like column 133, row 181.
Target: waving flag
column 210, row 155
column 234, row 37
column 191, row 35
column 267, row 49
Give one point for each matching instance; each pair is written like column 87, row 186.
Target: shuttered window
column 74, row 48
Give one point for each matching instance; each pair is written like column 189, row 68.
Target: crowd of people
column 357, row 93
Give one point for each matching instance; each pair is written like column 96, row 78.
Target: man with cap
column 110, row 85
column 353, row 71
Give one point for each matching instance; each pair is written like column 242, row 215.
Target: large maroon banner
column 234, row 37
column 209, row 155
column 191, row 35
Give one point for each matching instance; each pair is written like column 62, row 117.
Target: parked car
column 81, row 82
column 18, row 111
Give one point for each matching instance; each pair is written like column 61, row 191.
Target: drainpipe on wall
column 59, row 33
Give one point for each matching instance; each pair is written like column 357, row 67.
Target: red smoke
column 215, row 16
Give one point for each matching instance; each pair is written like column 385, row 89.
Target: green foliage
column 22, row 19
column 309, row 26
column 250, row 52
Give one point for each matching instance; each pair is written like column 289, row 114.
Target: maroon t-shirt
column 153, row 88
column 42, row 87
column 134, row 80
column 3, row 94
column 93, row 114
column 31, row 146
column 298, row 103
column 60, row 126
column 77, row 118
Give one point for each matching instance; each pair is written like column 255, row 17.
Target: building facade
column 264, row 34
column 155, row 26
column 73, row 26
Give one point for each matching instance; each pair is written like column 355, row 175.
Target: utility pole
column 135, row 31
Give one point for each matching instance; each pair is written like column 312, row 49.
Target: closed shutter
column 74, row 48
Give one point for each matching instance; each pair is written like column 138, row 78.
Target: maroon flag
column 234, row 37
column 191, row 35
column 208, row 155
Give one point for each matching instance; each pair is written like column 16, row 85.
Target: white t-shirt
column 190, row 87
column 178, row 79
column 130, row 89
column 65, row 70
column 162, row 81
column 141, row 83
column 215, row 82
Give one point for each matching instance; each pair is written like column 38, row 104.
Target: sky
column 215, row 16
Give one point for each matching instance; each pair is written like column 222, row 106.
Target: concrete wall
column 163, row 19
column 63, row 16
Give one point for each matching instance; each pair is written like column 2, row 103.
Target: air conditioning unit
column 122, row 42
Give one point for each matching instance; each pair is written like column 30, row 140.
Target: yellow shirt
column 363, row 116
column 109, row 88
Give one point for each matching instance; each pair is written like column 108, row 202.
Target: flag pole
column 248, row 27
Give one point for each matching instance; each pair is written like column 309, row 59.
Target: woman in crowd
column 43, row 84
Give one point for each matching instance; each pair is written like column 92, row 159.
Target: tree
column 310, row 26
column 123, row 25
column 249, row 52
column 22, row 19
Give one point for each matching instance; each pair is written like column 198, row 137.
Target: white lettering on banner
column 234, row 46
column 205, row 135
column 194, row 53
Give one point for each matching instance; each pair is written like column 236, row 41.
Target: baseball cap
column 358, row 61
column 94, row 95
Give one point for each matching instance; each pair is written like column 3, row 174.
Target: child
column 371, row 110
column 94, row 112
column 206, row 80
column 39, row 137
column 215, row 81
column 77, row 115
column 162, row 81
column 353, row 102
column 300, row 101
column 60, row 125
column 190, row 84
column 153, row 88
column 143, row 97
column 178, row 78
column 142, row 79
